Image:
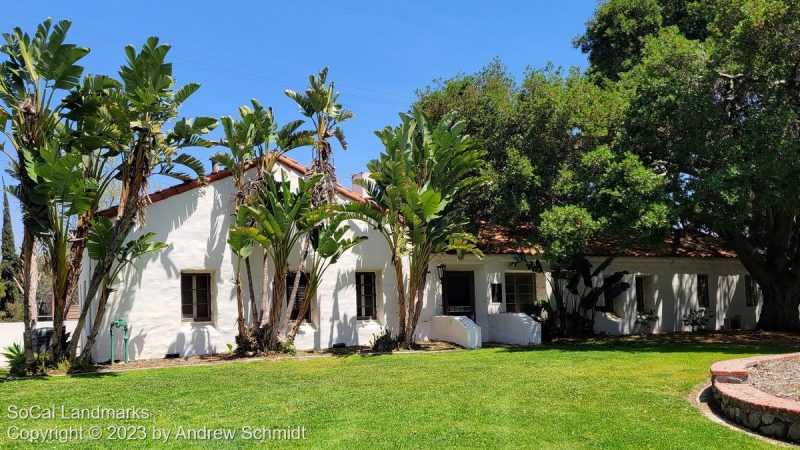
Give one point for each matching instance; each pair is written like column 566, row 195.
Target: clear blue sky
column 379, row 52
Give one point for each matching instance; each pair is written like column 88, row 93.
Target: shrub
column 384, row 342
column 41, row 362
column 63, row 366
column 289, row 348
column 81, row 364
column 695, row 319
column 646, row 320
column 15, row 356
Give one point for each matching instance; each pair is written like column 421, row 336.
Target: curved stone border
column 744, row 404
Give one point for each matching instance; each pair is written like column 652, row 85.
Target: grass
column 607, row 394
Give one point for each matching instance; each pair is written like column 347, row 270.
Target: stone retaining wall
column 742, row 403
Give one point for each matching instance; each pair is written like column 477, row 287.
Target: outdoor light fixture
column 440, row 268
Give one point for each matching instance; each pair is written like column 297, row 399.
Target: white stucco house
column 181, row 301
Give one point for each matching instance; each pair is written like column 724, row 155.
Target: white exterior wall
column 195, row 223
column 12, row 333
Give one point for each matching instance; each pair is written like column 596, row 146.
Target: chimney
column 214, row 166
column 359, row 189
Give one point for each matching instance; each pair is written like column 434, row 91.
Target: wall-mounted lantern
column 440, row 269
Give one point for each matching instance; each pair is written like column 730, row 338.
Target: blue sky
column 379, row 53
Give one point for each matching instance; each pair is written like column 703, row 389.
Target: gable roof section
column 499, row 239
column 285, row 161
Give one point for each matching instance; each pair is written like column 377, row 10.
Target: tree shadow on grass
column 88, row 373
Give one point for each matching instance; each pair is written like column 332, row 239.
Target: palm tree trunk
column 240, row 300
column 278, row 291
column 253, row 307
column 299, row 320
column 98, row 322
column 98, row 276
column 30, row 284
column 265, row 303
column 296, row 285
column 415, row 301
column 401, row 296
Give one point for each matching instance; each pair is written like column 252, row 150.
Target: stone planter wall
column 742, row 403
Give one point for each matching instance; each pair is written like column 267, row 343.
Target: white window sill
column 195, row 323
column 368, row 323
column 307, row 326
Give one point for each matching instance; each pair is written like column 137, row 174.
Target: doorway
column 458, row 293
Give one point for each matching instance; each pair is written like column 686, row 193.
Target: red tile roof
column 499, row 239
column 225, row 173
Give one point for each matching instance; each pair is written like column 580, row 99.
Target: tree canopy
column 687, row 117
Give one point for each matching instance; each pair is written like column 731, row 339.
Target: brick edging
column 746, row 405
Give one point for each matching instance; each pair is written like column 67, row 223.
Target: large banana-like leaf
column 169, row 167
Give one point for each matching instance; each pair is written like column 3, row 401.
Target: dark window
column 301, row 295
column 702, row 291
column 520, row 292
column 196, row 297
column 365, row 295
column 640, row 294
column 497, row 293
column 751, row 291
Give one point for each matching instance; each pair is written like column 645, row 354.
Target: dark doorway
column 458, row 293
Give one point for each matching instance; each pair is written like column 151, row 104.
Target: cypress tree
column 10, row 267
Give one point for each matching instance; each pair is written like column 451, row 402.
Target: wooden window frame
column 361, row 297
column 640, row 293
column 194, row 294
column 751, row 290
column 703, row 291
column 512, row 289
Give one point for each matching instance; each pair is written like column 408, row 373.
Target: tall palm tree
column 34, row 70
column 280, row 216
column 144, row 105
column 248, row 140
column 417, row 189
column 320, row 104
column 329, row 243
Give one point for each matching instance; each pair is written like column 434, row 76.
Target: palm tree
column 144, row 104
column 329, row 243
column 35, row 69
column 248, row 140
column 320, row 104
column 416, row 192
column 280, row 216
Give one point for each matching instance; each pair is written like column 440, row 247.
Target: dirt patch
column 168, row 362
column 780, row 378
column 703, row 337
column 421, row 347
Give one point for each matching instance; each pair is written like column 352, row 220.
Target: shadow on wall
column 343, row 329
column 178, row 216
column 684, row 299
column 198, row 343
column 724, row 299
column 131, row 280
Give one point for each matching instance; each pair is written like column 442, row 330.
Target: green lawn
column 606, row 394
